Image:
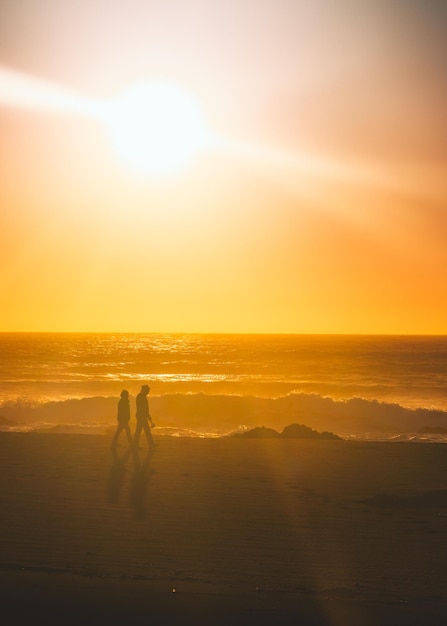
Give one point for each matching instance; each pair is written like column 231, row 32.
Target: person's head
column 145, row 389
column 124, row 393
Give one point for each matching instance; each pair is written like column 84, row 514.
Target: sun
column 156, row 128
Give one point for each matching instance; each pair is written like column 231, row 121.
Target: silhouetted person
column 143, row 417
column 123, row 418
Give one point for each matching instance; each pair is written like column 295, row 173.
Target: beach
column 222, row 530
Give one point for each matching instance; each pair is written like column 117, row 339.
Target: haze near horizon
column 273, row 167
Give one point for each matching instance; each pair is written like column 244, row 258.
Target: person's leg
column 136, row 437
column 116, row 435
column 147, row 430
column 128, row 433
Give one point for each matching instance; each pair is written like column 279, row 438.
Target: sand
column 222, row 531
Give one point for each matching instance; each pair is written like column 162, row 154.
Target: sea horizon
column 225, row 333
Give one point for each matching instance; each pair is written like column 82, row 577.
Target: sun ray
column 22, row 91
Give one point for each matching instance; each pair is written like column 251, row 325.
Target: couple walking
column 144, row 419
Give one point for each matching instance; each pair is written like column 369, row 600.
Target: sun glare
column 156, row 128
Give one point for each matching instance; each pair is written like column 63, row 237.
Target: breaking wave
column 202, row 415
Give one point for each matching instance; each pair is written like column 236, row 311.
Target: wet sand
column 222, row 531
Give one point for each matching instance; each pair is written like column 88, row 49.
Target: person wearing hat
column 123, row 418
column 144, row 417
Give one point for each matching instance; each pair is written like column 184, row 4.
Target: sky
column 314, row 200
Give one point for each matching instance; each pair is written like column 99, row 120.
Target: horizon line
column 234, row 333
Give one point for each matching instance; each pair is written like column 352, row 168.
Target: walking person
column 123, row 418
column 144, row 419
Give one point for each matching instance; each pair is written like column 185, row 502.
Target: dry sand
column 222, row 531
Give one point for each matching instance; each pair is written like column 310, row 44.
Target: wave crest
column 219, row 414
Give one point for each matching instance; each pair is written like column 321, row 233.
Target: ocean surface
column 214, row 384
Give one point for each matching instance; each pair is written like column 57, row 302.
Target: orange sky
column 249, row 239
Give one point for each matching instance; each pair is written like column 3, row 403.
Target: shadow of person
column 142, row 471
column 117, row 471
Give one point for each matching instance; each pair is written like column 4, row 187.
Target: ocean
column 209, row 385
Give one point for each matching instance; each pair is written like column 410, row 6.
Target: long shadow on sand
column 141, row 472
column 117, row 473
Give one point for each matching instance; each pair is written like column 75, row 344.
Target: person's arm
column 151, row 421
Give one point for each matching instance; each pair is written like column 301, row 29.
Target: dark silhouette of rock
column 260, row 432
column 299, row 431
column 293, row 431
